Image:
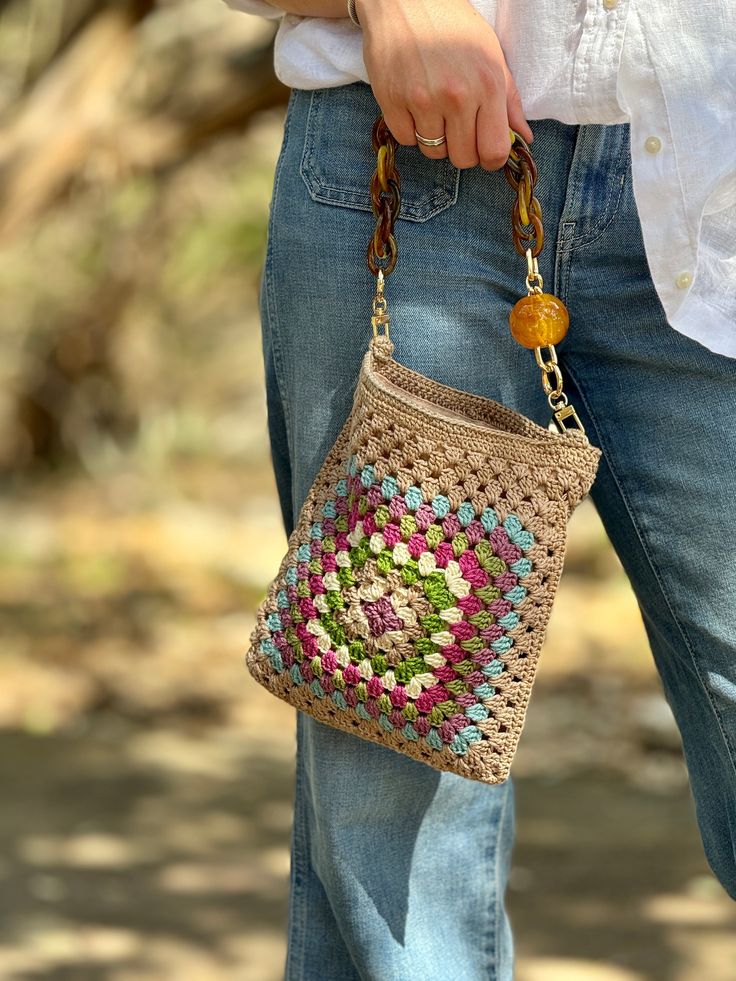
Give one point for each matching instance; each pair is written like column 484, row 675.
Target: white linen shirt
column 667, row 67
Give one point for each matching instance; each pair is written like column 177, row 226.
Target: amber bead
column 538, row 320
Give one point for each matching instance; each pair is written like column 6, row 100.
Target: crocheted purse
column 413, row 600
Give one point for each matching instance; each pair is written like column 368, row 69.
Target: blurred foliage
column 124, row 227
column 126, row 465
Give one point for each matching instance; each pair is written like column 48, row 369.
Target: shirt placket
column 669, row 242
column 597, row 61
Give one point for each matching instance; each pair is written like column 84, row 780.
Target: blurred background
column 145, row 821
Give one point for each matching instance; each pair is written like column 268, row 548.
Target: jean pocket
column 338, row 160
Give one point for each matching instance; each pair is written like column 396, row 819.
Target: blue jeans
column 398, row 871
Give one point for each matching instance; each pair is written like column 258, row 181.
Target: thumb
column 514, row 108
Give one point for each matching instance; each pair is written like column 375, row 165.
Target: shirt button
column 610, row 4
column 653, row 144
column 683, row 280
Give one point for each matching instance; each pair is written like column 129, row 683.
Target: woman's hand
column 437, row 66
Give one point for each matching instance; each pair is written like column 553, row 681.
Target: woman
column 399, row 871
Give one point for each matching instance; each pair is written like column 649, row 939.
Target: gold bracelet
column 352, row 13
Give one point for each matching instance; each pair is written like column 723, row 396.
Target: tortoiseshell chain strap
column 539, row 320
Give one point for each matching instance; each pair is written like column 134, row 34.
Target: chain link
column 385, row 190
column 521, row 173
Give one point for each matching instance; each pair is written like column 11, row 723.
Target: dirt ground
column 134, row 853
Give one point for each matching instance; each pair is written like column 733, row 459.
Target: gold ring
column 423, row 139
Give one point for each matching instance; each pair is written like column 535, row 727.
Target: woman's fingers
column 472, row 136
column 398, row 120
column 402, row 125
column 492, row 133
column 514, row 108
column 462, row 146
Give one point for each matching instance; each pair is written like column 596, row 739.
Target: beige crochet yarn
column 413, row 601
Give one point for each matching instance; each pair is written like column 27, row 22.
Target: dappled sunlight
column 553, row 969
column 703, row 906
column 91, row 850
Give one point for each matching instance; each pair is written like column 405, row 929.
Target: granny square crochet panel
column 413, row 600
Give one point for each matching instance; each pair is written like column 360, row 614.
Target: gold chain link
column 528, row 237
